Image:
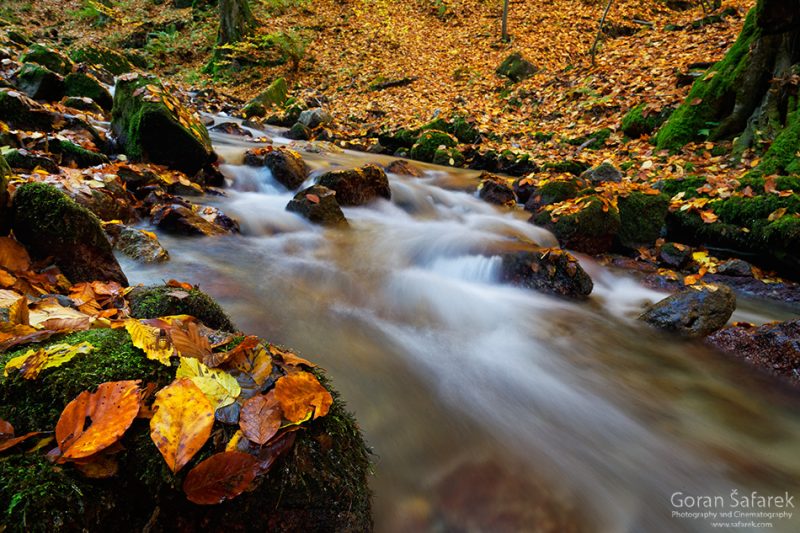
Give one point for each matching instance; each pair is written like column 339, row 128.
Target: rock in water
column 50, row 224
column 696, row 311
column 549, row 270
column 357, row 186
column 496, row 190
column 318, row 204
column 152, row 125
column 287, row 166
column 140, row 245
column 588, row 226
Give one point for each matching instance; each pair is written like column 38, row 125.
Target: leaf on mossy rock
column 260, row 418
column 182, row 422
column 13, row 256
column 7, row 438
column 300, row 395
column 94, row 421
column 251, row 359
column 290, row 358
column 220, row 388
column 154, row 341
column 221, row 477
column 32, row 362
column 189, row 341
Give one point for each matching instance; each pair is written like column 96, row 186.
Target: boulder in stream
column 318, row 204
column 589, row 224
column 49, row 224
column 287, row 166
column 357, row 186
column 47, row 57
column 140, row 245
column 152, row 125
column 183, row 220
column 696, row 311
column 496, row 190
column 548, row 270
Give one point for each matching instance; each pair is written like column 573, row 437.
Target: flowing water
column 487, row 404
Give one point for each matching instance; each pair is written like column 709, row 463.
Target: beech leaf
column 154, row 341
column 301, row 394
column 221, row 477
column 260, row 418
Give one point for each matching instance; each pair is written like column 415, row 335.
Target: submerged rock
column 404, row 168
column 549, row 270
column 318, row 204
column 153, row 125
column 50, row 224
column 287, row 166
column 231, row 128
column 357, row 186
column 696, row 311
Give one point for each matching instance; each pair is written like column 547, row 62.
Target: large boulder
column 552, row 190
column 318, row 204
column 182, row 220
column 22, row 159
column 696, row 311
column 152, row 125
column 589, row 224
column 430, row 142
column 50, row 224
column 314, row 118
column 274, row 95
column 111, row 60
column 642, row 218
column 549, row 270
column 357, row 186
column 85, row 84
column 602, row 173
column 774, row 347
column 516, row 68
column 20, row 112
column 40, row 83
column 47, row 57
column 139, row 245
column 287, row 166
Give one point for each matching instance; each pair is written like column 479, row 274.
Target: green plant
column 279, row 7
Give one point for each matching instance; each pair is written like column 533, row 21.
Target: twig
column 593, row 51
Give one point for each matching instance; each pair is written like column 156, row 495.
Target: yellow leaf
column 34, row 361
column 775, row 215
column 220, row 388
column 153, row 341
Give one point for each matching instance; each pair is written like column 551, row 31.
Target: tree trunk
column 505, row 21
column 752, row 94
column 235, row 21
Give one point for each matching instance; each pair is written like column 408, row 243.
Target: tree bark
column 235, row 21
column 505, row 21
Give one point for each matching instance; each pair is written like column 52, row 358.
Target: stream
column 489, row 407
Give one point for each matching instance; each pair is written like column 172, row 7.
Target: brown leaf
column 260, row 418
column 6, row 429
column 299, row 393
column 182, row 422
column 313, row 198
column 254, row 361
column 217, row 358
column 13, row 256
column 187, row 339
column 109, row 412
column 221, row 477
column 179, row 284
column 290, row 358
column 101, row 466
column 5, row 444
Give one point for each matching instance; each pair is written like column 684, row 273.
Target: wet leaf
column 221, row 477
column 260, row 418
column 103, row 466
column 301, row 394
column 8, row 443
column 220, row 388
column 153, row 341
column 6, row 429
column 93, row 421
column 182, row 422
column 290, row 358
column 775, row 215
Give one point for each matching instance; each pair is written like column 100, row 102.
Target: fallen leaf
column 5, row 444
column 103, row 466
column 153, row 341
column 29, row 364
column 254, row 361
column 775, row 215
column 289, row 357
column 187, row 339
column 299, row 394
column 260, row 418
column 220, row 388
column 179, row 284
column 221, row 477
column 13, row 256
column 182, row 422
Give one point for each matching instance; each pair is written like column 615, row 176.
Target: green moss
column 429, row 142
column 111, row 60
column 153, row 302
column 642, row 217
column 746, row 211
column 464, row 130
column 782, row 183
column 84, row 84
column 635, row 124
column 687, row 185
column 576, row 168
column 55, row 61
column 81, row 156
column 274, row 95
column 516, row 68
column 40, row 83
column 590, row 230
column 714, row 94
column 782, row 156
column 448, row 157
column 557, row 190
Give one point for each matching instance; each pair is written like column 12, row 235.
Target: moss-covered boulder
column 153, row 125
column 85, row 84
column 516, row 68
column 40, row 83
column 589, row 224
column 642, row 218
column 429, row 142
column 20, row 112
column 640, row 120
column 50, row 224
column 602, row 173
column 25, row 160
column 318, row 204
column 357, row 186
column 319, row 484
column 47, row 57
column 156, row 301
column 552, row 190
column 72, row 154
column 273, row 96
column 111, row 60
column 287, row 166
column 139, row 245
column 549, row 270
column 82, row 103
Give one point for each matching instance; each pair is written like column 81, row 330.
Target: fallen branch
column 593, row 51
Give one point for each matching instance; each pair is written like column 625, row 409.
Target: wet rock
column 496, row 190
column 139, row 245
column 552, row 190
column 111, row 60
column 274, row 95
column 21, row 159
column 50, row 224
column 20, row 112
column 74, row 155
column 318, row 204
column 675, row 255
column 589, row 225
column 357, row 186
column 314, row 118
column 106, row 197
column 404, row 168
column 85, row 84
column 152, row 125
column 82, row 103
column 773, row 347
column 40, row 83
column 602, row 173
column 287, row 166
column 47, row 57
column 524, row 188
column 695, row 311
column 231, row 128
column 299, row 132
column 549, row 270
column 176, row 218
column 736, row 268
column 505, row 162
column 516, row 68
column 642, row 218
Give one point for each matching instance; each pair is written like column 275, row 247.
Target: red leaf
column 260, row 418
column 221, row 477
column 313, row 198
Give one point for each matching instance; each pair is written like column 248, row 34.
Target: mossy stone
column 111, row 60
column 274, row 95
column 449, row 157
column 40, row 83
column 635, row 124
column 50, row 224
column 84, row 84
column 592, row 141
column 642, row 218
column 47, row 57
column 516, row 68
column 429, row 142
column 81, row 157
column 464, row 130
column 591, row 230
column 156, row 301
column 553, row 191
column 574, row 167
column 20, row 112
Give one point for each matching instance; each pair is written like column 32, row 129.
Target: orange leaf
column 102, row 466
column 260, row 418
column 6, row 429
column 179, row 284
column 696, row 101
column 13, row 255
column 109, row 412
column 254, row 361
column 221, row 477
column 313, row 198
column 299, row 393
column 182, row 422
column 187, row 339
column 290, row 358
column 708, row 216
column 5, row 444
